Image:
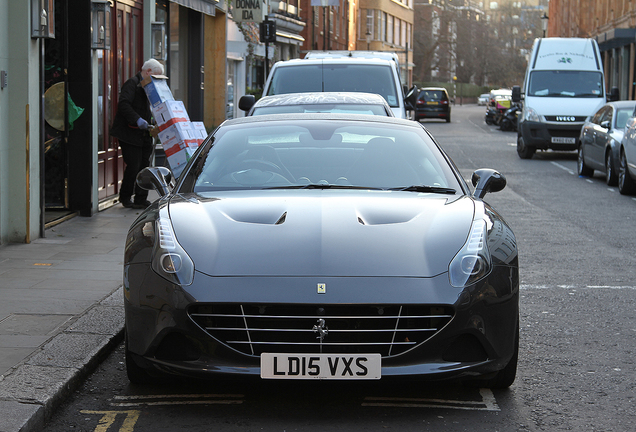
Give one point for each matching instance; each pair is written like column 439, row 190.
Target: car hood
column 322, row 233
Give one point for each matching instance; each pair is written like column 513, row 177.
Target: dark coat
column 133, row 103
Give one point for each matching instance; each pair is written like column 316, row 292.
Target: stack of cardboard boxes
column 179, row 136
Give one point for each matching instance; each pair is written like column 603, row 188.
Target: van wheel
column 581, row 168
column 448, row 119
column 626, row 185
column 524, row 151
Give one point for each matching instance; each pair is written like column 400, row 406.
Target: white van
column 564, row 85
column 340, row 74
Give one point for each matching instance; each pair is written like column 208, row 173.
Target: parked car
column 482, row 100
column 343, row 102
column 346, row 243
column 600, row 140
column 627, row 158
column 433, row 102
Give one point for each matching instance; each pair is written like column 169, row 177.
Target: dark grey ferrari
column 322, row 246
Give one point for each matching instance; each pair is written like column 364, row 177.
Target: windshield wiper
column 424, row 188
column 322, row 186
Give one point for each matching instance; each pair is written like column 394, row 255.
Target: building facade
column 60, row 79
column 613, row 24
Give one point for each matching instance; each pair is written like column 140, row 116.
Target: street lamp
column 544, row 22
column 368, row 38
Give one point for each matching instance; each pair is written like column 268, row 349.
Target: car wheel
column 581, row 168
column 136, row 374
column 626, row 185
column 524, row 151
column 448, row 119
column 611, row 178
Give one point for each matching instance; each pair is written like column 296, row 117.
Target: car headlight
column 472, row 263
column 169, row 259
column 529, row 114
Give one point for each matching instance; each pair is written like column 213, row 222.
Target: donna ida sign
column 248, row 10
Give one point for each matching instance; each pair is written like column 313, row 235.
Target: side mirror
column 157, row 178
column 410, row 100
column 487, row 180
column 247, row 102
column 516, row 94
column 605, row 124
column 614, row 94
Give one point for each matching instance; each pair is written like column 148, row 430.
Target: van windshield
column 558, row 83
column 376, row 79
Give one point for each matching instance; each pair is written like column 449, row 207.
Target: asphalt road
column 578, row 328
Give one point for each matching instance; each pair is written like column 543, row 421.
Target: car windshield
column 376, row 79
column 320, row 154
column 582, row 84
column 322, row 108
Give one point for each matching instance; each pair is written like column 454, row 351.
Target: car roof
column 321, row 98
column 622, row 104
column 268, row 118
column 334, row 60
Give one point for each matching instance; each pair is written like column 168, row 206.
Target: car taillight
column 444, row 102
column 420, row 102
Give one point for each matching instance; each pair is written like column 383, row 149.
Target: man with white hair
column 131, row 128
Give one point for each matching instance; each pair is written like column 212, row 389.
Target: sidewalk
column 61, row 311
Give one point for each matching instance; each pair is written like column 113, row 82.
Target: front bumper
column 546, row 135
column 477, row 340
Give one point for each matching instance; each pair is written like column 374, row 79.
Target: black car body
column 433, row 102
column 317, row 239
column 600, row 140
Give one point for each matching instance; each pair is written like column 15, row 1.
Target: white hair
column 154, row 65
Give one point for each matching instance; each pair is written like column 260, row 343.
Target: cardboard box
column 200, row 133
column 168, row 113
column 157, row 90
column 175, row 141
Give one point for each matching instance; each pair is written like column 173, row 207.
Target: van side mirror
column 247, row 102
column 516, row 94
column 614, row 94
column 411, row 98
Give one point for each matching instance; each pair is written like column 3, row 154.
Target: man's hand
column 142, row 124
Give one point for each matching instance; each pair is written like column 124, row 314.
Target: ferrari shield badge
column 322, row 288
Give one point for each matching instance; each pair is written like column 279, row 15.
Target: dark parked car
column 322, row 246
column 600, row 140
column 340, row 102
column 433, row 102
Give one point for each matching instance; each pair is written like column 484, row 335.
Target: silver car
column 600, row 140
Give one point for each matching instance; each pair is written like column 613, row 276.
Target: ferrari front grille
column 388, row 330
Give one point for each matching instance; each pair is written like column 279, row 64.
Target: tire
column 581, row 168
column 611, row 176
column 505, row 125
column 448, row 119
column 524, row 151
column 626, row 185
column 488, row 120
column 137, row 374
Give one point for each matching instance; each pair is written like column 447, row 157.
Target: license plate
column 432, row 103
column 321, row 366
column 559, row 140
